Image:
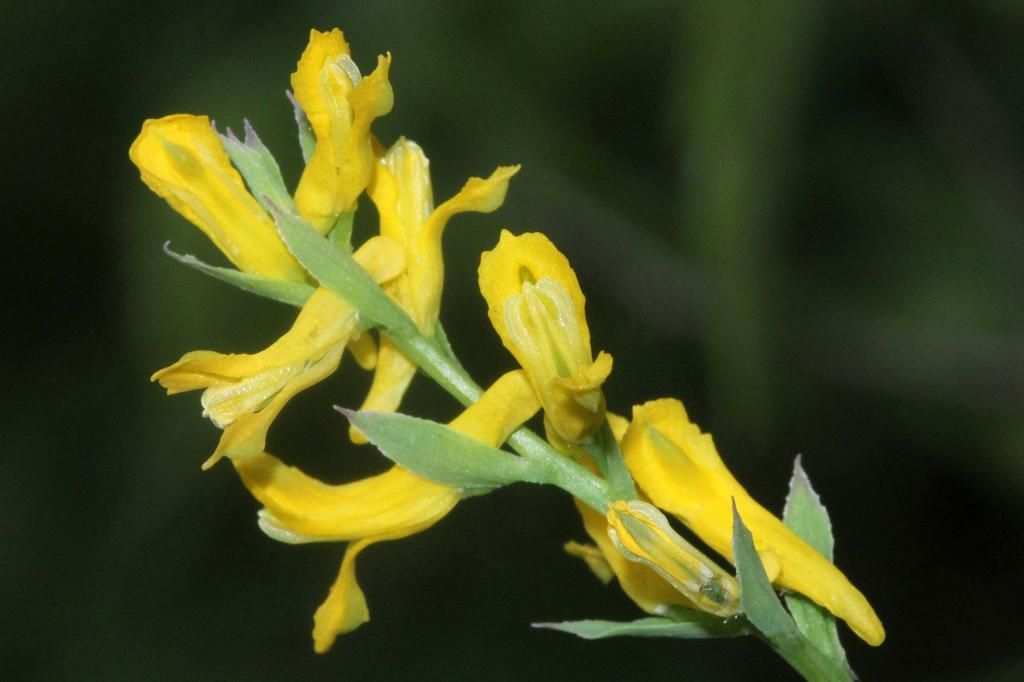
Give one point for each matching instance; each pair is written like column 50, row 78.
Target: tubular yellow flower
column 245, row 393
column 181, row 159
column 392, row 505
column 536, row 306
column 340, row 105
column 642, row 534
column 401, row 191
column 680, row 470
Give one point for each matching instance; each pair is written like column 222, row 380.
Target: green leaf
column 339, row 272
column 292, row 293
column 690, row 625
column 766, row 613
column 307, row 140
column 258, row 166
column 440, row 453
column 806, row 516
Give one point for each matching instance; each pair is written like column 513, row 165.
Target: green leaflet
column 258, row 166
column 807, row 517
column 684, row 624
column 292, row 293
column 442, row 454
column 766, row 613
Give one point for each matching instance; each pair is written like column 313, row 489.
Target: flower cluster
column 381, row 301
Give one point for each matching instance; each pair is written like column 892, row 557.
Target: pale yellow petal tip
column 210, row 461
column 327, row 626
column 593, row 558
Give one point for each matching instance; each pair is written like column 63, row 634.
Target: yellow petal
column 680, row 470
column 390, row 381
column 181, row 159
column 340, row 105
column 593, row 558
column 647, row 589
column 502, row 409
column 394, row 501
column 364, row 350
column 478, row 195
column 345, row 607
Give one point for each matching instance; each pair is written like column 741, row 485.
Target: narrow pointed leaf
column 700, row 627
column 440, row 453
column 807, row 517
column 766, row 613
column 292, row 293
column 338, row 271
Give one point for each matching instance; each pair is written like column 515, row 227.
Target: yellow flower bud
column 642, row 534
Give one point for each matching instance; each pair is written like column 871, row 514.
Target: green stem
column 605, row 451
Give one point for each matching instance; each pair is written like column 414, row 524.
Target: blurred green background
column 804, row 219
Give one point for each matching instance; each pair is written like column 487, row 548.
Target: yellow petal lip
column 680, row 470
column 518, row 259
column 180, row 158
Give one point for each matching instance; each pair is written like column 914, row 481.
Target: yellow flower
column 402, row 193
column 245, row 393
column 389, row 506
column 181, row 159
column 640, row 582
column 536, row 306
column 642, row 534
column 340, row 105
column 680, row 470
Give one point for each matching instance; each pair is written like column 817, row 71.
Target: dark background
column 804, row 219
